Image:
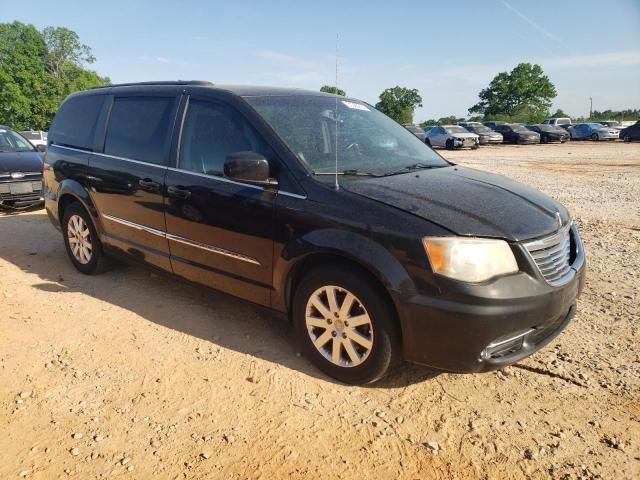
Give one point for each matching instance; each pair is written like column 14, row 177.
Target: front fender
column 366, row 252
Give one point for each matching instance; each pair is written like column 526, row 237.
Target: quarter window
column 75, row 123
column 138, row 128
column 213, row 131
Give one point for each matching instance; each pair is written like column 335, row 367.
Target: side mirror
column 41, row 148
column 248, row 167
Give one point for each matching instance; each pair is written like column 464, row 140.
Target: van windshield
column 368, row 141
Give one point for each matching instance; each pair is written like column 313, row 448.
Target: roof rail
column 168, row 82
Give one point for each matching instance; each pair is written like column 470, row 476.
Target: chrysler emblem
column 17, row 175
column 559, row 219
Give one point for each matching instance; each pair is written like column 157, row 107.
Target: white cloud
column 156, row 59
column 609, row 59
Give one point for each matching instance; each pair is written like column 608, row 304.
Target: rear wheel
column 345, row 325
column 81, row 241
column 594, row 137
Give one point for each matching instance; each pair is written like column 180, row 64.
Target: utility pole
column 590, row 107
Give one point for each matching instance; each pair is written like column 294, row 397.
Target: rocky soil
column 134, row 375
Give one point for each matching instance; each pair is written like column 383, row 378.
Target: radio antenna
column 336, row 115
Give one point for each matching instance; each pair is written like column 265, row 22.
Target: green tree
column 428, row 123
column 334, row 90
column 399, row 103
column 524, row 94
column 450, row 120
column 559, row 113
column 64, row 50
column 30, row 90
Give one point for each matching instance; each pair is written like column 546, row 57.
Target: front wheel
column 427, row 141
column 345, row 325
column 594, row 137
column 627, row 138
column 449, row 144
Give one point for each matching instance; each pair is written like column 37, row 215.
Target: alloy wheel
column 79, row 237
column 339, row 326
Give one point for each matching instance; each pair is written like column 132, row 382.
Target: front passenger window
column 213, row 131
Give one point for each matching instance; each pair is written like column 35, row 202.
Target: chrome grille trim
column 552, row 256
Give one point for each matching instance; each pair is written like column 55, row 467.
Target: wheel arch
column 71, row 191
column 345, row 249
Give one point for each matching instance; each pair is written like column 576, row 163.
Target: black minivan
column 319, row 207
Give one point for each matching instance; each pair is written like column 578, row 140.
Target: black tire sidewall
column 386, row 344
column 96, row 251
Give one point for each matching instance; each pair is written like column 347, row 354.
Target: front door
column 126, row 179
column 219, row 231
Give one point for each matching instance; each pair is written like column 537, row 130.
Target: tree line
column 523, row 95
column 38, row 69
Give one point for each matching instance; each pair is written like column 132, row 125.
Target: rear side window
column 138, row 128
column 75, row 123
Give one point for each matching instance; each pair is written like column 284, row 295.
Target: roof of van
column 241, row 90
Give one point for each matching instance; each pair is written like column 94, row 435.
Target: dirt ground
column 134, row 375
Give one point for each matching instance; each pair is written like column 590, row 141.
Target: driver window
column 213, row 131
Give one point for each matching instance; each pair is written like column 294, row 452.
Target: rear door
column 127, row 175
column 220, row 231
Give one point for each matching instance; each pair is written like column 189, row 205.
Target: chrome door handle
column 178, row 192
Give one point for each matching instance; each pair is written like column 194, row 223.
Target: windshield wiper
column 410, row 168
column 350, row 172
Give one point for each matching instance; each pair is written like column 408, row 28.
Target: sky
column 448, row 51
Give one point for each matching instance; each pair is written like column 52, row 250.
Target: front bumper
column 486, row 140
column 23, row 193
column 465, row 142
column 483, row 327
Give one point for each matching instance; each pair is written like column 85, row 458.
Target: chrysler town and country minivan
column 321, row 208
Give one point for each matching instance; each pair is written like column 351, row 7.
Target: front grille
column 552, row 255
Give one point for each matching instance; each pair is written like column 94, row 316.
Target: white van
column 558, row 122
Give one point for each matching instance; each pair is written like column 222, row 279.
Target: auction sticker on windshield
column 356, row 106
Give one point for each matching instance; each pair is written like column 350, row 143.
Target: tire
column 594, row 137
column 350, row 361
column 427, row 141
column 76, row 219
column 627, row 138
column 449, row 144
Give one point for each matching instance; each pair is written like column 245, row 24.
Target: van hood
column 468, row 202
column 20, row 162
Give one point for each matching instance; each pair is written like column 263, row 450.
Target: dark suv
column 376, row 247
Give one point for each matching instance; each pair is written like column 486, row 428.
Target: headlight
column 469, row 259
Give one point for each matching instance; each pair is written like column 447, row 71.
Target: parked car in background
column 36, row 137
column 519, row 134
column 610, row 123
column 562, row 122
column 549, row 133
column 631, row 133
column 493, row 125
column 485, row 134
column 20, row 171
column 452, row 136
column 593, row 131
column 416, row 130
column 411, row 258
